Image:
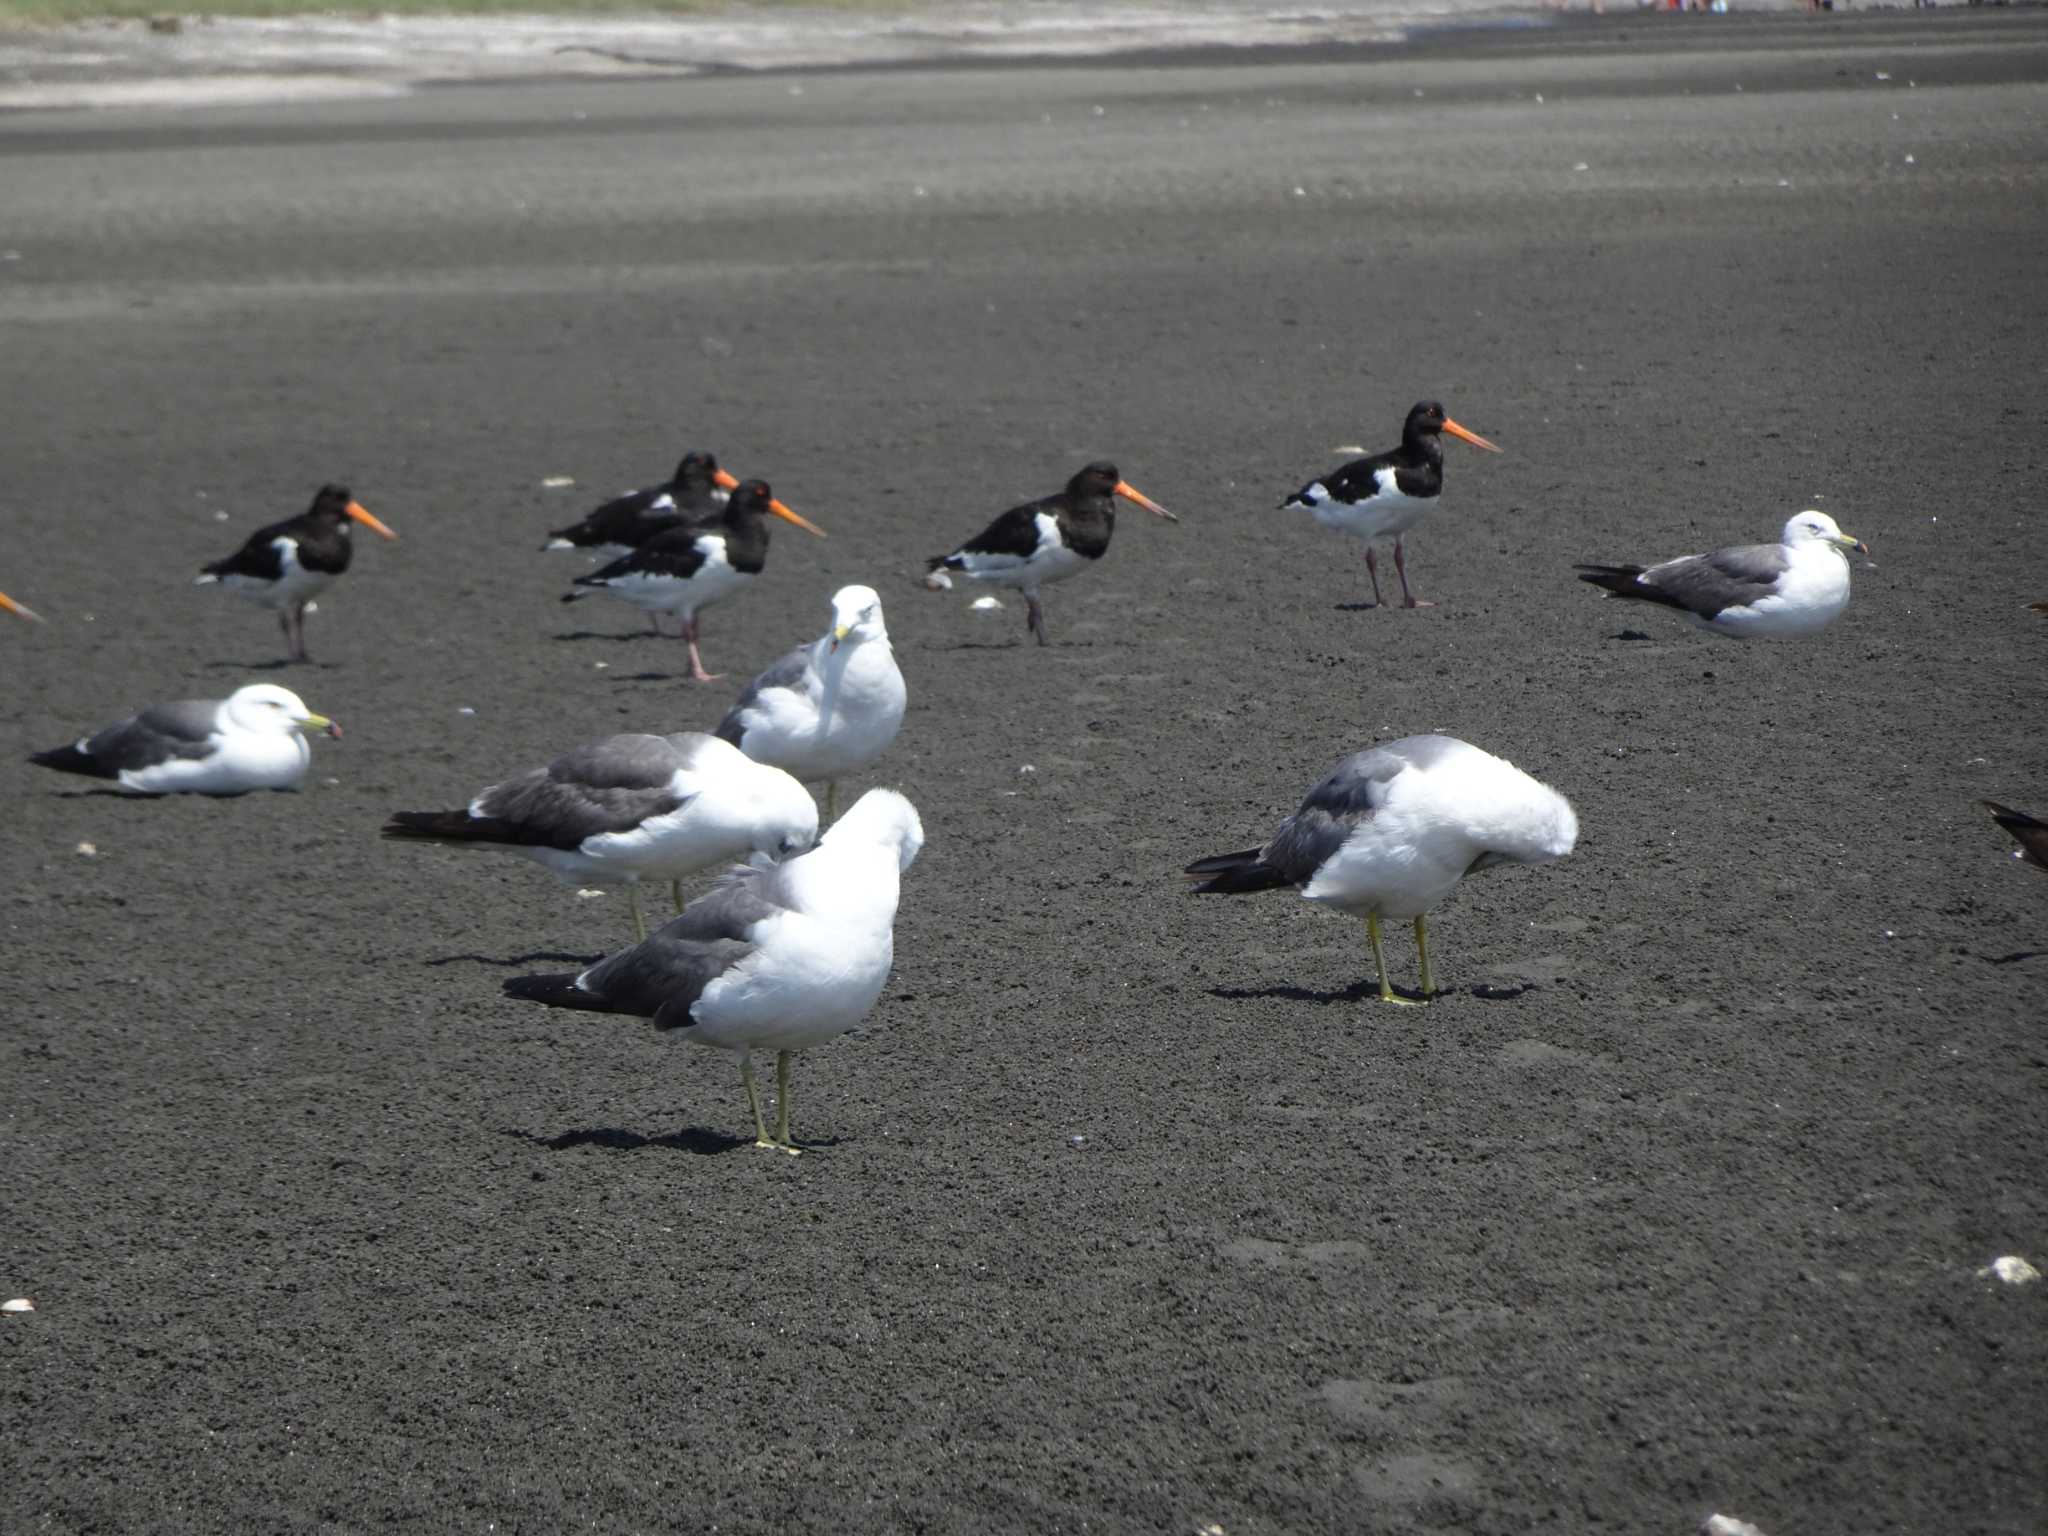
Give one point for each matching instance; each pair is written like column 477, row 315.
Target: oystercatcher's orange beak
column 724, row 481
column 1473, row 438
column 356, row 510
column 13, row 607
column 788, row 516
column 1130, row 492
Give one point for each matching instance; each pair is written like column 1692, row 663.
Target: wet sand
column 1125, row 1210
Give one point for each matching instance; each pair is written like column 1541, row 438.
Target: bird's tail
column 449, row 827
column 1621, row 581
column 2030, row 832
column 557, row 991
column 71, row 760
column 1234, row 874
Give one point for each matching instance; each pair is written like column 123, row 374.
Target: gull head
column 1811, row 525
column 857, row 615
column 881, row 818
column 267, row 708
column 784, row 819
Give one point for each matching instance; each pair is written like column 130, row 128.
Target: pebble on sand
column 2010, row 1268
column 1727, row 1525
column 984, row 604
column 18, row 1304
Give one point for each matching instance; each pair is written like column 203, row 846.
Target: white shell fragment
column 558, row 482
column 88, row 849
column 18, row 1304
column 587, row 892
column 938, row 581
column 2011, row 1268
column 987, row 604
column 1727, row 1525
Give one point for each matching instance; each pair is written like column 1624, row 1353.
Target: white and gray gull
column 1751, row 591
column 778, row 957
column 830, row 707
column 252, row 739
column 1393, row 829
column 631, row 808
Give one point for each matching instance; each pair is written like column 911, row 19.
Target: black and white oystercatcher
column 285, row 565
column 252, row 739
column 1047, row 540
column 1390, row 492
column 691, row 567
column 631, row 808
column 695, row 493
column 1751, row 591
column 781, row 958
column 1392, row 830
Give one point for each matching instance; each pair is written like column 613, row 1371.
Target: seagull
column 829, row 707
column 1047, row 540
column 632, row 808
column 21, row 609
column 252, row 739
column 781, row 956
column 694, row 493
column 285, row 565
column 1393, row 829
column 1793, row 587
column 2030, row 834
column 691, row 567
column 1390, row 492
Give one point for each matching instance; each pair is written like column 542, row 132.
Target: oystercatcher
column 1390, row 492
column 689, row 568
column 285, row 565
column 1047, row 540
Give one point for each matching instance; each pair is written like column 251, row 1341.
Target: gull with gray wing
column 779, row 957
column 1390, row 832
column 631, row 808
column 252, row 739
column 1750, row 591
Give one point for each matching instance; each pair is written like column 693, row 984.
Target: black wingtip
column 557, row 990
column 1234, row 874
column 71, row 760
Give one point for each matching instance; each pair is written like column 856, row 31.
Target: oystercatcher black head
column 1426, row 418
column 699, row 470
column 1099, row 481
column 752, row 498
column 334, row 504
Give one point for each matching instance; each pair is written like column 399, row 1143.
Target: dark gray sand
column 1127, row 1211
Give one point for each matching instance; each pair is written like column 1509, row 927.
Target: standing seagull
column 632, row 808
column 689, row 568
column 285, row 565
column 1049, row 539
column 1752, row 591
column 829, row 707
column 2031, row 834
column 1390, row 492
column 1393, row 829
column 783, row 958
column 252, row 739
column 21, row 609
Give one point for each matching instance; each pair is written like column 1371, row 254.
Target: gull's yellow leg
column 754, row 1101
column 782, row 1105
column 1422, row 949
column 1379, row 957
column 633, row 900
column 676, row 889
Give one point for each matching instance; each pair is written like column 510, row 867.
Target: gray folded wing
column 1351, row 794
column 667, row 972
column 1727, row 578
column 789, row 672
column 611, row 785
column 160, row 734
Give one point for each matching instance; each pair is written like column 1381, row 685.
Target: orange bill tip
column 1130, row 492
column 20, row 608
column 788, row 516
column 724, row 481
column 361, row 514
column 1473, row 438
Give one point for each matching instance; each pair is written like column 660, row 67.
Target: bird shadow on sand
column 617, row 637
column 280, row 664
column 1355, row 607
column 2016, row 956
column 696, row 1140
column 1360, row 992
column 554, row 957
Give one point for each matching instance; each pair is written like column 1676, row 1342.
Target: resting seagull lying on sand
column 1752, row 591
column 1393, row 829
column 779, row 958
column 252, row 739
column 827, row 708
column 632, row 808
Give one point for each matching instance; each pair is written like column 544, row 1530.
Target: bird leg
column 284, row 622
column 633, row 900
column 782, row 1105
column 676, row 890
column 754, row 1101
column 831, row 799
column 1372, row 568
column 1422, row 949
column 1034, row 616
column 697, row 672
column 1411, row 600
column 654, row 618
column 1379, row 956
